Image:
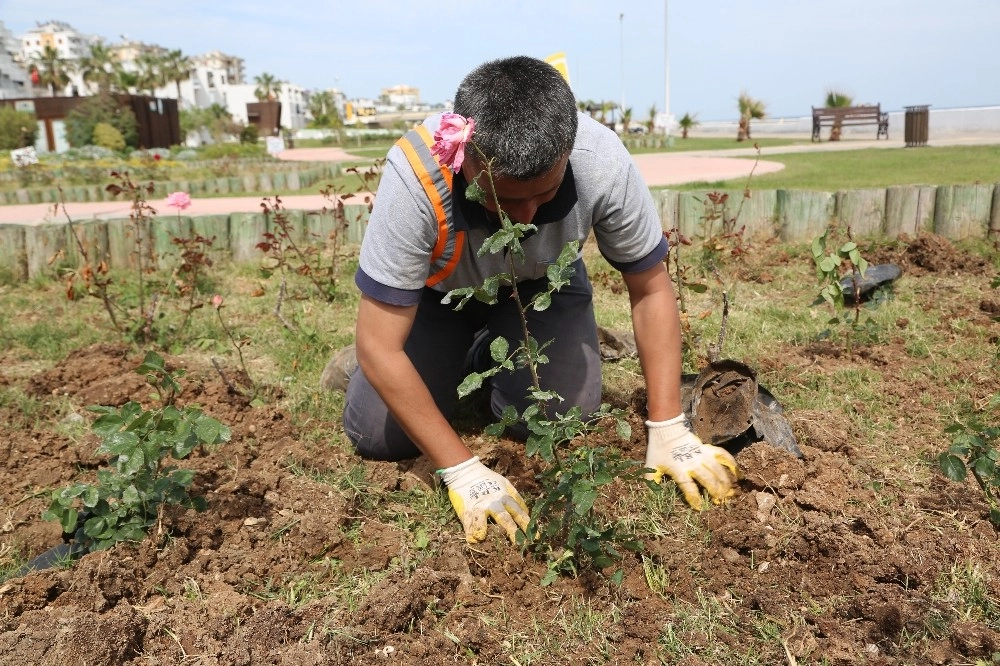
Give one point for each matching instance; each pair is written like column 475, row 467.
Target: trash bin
column 915, row 124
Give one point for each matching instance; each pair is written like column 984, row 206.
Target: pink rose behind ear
column 451, row 138
column 178, row 200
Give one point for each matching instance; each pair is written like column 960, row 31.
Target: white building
column 14, row 79
column 293, row 98
column 400, row 97
column 70, row 44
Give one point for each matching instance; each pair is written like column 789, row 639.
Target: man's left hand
column 674, row 450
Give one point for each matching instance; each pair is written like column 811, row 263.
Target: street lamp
column 621, row 42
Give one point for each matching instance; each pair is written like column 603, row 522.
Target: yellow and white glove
column 478, row 494
column 672, row 449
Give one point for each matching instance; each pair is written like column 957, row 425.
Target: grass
column 872, row 168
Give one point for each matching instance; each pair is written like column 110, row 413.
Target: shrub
column 81, row 121
column 249, row 134
column 214, row 151
column 107, row 136
column 18, row 129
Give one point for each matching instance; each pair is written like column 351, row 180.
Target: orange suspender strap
column 437, row 183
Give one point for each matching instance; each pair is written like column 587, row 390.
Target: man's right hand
column 478, row 494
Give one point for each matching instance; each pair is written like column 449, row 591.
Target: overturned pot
column 727, row 407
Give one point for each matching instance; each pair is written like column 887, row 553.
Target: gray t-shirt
column 602, row 190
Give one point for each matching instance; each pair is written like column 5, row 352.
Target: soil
column 839, row 556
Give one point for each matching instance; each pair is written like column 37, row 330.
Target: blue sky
column 784, row 52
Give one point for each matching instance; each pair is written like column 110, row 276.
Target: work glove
column 478, row 494
column 671, row 448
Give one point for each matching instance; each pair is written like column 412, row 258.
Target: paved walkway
column 658, row 169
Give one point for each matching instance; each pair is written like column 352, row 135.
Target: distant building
column 68, row 42
column 14, row 80
column 400, row 97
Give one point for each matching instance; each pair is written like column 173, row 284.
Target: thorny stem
column 532, row 365
column 102, row 285
column 239, row 350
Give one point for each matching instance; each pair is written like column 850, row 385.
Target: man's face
column 520, row 199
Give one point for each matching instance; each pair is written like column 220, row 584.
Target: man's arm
column 671, row 447
column 476, row 492
column 657, row 328
column 382, row 330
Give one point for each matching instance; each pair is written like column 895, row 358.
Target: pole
column 621, row 42
column 666, row 63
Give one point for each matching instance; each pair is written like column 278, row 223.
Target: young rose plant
column 565, row 527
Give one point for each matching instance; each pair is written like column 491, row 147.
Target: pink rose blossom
column 178, row 200
column 451, row 138
column 216, row 301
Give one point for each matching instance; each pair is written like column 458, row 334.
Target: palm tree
column 125, row 80
column 268, row 87
column 98, row 67
column 626, row 119
column 687, row 123
column 50, row 69
column 176, row 67
column 750, row 109
column 836, row 99
column 651, row 119
column 150, row 73
column 322, row 108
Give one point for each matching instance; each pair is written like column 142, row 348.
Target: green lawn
column 873, row 167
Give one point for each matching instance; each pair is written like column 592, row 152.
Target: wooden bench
column 851, row 115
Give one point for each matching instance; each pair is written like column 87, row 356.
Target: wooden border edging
column 955, row 212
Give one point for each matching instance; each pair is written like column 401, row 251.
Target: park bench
column 870, row 114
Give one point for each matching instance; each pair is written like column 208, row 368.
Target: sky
column 786, row 53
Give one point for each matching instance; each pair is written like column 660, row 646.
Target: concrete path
column 658, row 169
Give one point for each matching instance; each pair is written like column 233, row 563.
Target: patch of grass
column 872, row 167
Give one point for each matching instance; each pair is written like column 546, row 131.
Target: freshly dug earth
column 837, row 558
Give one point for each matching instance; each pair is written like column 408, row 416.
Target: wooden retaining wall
column 294, row 177
column 954, row 211
column 27, row 252
column 795, row 216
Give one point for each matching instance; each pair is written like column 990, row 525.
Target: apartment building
column 14, row 80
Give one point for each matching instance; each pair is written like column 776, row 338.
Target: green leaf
column 583, row 500
column 848, row 247
column 696, row 287
column 952, row 466
column 119, row 443
column 499, row 349
column 107, row 424
column 472, row 382
column 67, row 519
column 90, row 497
column 542, row 301
column 208, row 430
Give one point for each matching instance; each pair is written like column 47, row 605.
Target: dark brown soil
column 840, row 552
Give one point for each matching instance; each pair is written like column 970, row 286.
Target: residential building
column 14, row 80
column 400, row 97
column 70, row 44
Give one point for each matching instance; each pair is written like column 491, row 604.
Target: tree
column 49, row 69
column 626, row 119
column 92, row 111
column 99, row 67
column 651, row 119
column 18, row 129
column 687, row 123
column 268, row 87
column 176, row 68
column 750, row 109
column 836, row 99
column 323, row 110
column 150, row 72
column 215, row 120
